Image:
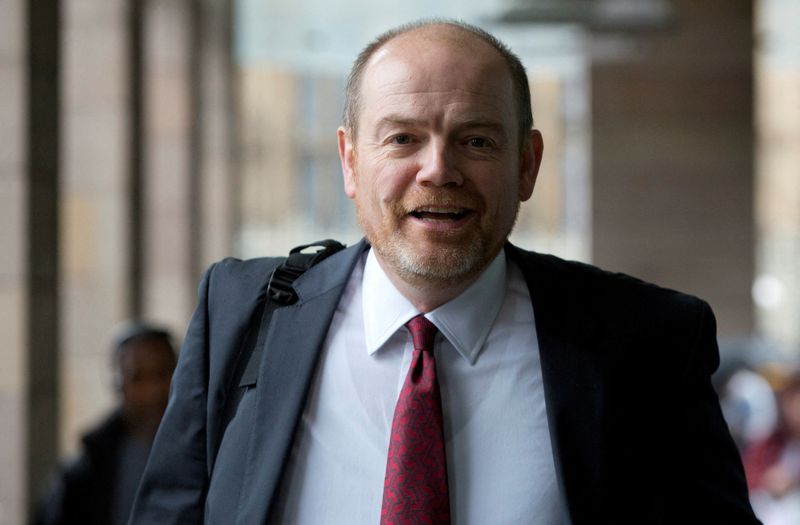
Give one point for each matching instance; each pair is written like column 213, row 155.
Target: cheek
column 387, row 182
column 500, row 195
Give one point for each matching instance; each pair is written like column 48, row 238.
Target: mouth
column 440, row 214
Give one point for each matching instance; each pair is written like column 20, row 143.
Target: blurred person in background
column 772, row 464
column 748, row 404
column 98, row 486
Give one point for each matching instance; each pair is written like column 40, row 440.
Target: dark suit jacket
column 83, row 491
column 637, row 433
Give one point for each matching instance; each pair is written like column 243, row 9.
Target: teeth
column 433, row 209
column 439, row 213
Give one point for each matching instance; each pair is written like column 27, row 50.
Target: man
column 593, row 406
column 98, row 487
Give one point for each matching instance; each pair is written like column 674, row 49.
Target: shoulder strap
column 280, row 292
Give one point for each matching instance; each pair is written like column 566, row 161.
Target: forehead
column 432, row 68
column 145, row 352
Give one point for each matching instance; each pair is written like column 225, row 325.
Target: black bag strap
column 280, row 292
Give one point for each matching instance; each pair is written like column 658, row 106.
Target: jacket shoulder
column 598, row 288
column 621, row 311
column 232, row 277
column 246, row 268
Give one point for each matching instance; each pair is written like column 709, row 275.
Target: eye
column 401, row 140
column 479, row 142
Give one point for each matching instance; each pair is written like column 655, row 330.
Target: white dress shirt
column 499, row 457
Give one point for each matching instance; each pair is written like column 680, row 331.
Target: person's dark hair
column 136, row 331
column 519, row 76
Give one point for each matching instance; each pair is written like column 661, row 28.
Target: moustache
column 440, row 198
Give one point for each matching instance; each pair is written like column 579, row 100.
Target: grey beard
column 448, row 267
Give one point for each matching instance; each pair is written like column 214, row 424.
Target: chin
column 437, row 262
column 437, row 265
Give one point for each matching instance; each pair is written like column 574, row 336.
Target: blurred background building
column 140, row 140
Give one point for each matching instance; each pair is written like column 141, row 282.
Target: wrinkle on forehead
column 435, row 74
column 398, row 82
column 441, row 92
column 467, row 106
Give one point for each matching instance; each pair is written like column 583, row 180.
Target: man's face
column 437, row 171
column 146, row 367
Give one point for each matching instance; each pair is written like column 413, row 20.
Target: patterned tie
column 415, row 488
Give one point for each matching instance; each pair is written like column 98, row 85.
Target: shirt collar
column 465, row 321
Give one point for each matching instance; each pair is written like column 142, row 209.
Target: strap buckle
column 280, row 288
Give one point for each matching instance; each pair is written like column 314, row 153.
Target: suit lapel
column 296, row 334
column 573, row 372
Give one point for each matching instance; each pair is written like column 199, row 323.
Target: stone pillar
column 95, row 206
column 189, row 187
column 75, row 158
column 777, row 289
column 13, row 269
column 672, row 133
column 213, row 77
column 42, row 236
column 168, row 283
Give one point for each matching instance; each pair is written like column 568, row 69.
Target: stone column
column 43, row 241
column 167, row 281
column 777, row 289
column 72, row 156
column 212, row 147
column 95, row 206
column 14, row 290
column 672, row 133
column 189, row 185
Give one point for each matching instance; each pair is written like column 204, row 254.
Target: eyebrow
column 482, row 124
column 395, row 120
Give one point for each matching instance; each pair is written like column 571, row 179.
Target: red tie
column 415, row 488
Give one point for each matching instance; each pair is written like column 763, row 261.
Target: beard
column 443, row 259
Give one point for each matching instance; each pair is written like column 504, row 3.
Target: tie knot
column 422, row 332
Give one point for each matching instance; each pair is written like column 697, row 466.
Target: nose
column 437, row 167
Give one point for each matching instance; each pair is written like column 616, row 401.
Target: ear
column 347, row 158
column 531, row 160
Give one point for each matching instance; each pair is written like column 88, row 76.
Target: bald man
column 435, row 373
